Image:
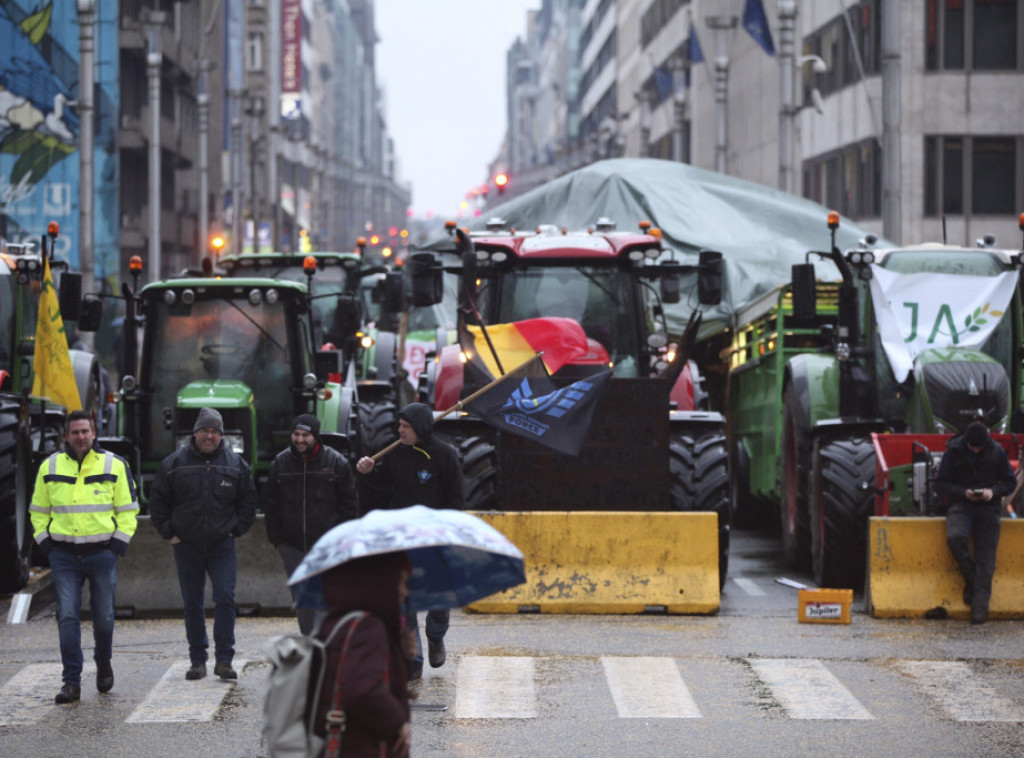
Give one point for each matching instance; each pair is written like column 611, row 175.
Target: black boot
column 104, row 677
column 69, row 693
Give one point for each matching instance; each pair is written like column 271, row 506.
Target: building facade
column 902, row 116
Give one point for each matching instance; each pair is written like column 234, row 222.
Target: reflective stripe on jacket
column 84, row 504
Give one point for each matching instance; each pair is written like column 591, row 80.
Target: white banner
column 916, row 312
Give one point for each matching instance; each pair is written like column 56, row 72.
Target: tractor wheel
column 15, row 526
column 842, row 499
column 699, row 469
column 793, row 513
column 378, row 426
column 743, row 507
column 479, row 473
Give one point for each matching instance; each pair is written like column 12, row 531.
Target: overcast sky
column 441, row 64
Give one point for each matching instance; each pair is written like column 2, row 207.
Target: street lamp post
column 678, row 66
column 203, row 112
column 153, row 22
column 644, row 98
column 86, row 64
column 720, row 25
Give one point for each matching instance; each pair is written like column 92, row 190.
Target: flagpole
column 458, row 406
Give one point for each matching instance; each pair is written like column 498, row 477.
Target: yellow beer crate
column 825, row 606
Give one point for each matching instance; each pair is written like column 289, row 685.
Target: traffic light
column 217, row 244
column 500, row 181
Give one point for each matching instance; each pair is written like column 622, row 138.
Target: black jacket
column 202, row 499
column 304, row 498
column 961, row 469
column 427, row 473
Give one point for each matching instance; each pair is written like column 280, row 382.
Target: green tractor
column 31, row 428
column 356, row 309
column 244, row 346
column 915, row 341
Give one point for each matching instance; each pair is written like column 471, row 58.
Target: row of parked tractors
column 771, row 418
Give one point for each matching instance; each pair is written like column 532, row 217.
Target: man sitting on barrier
column 974, row 475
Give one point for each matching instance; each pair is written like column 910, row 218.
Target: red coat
column 374, row 681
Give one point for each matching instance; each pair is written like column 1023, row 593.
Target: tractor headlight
column 309, row 382
column 272, row 296
column 255, row 297
column 366, row 341
column 234, row 442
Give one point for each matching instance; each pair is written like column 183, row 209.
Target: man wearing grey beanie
column 203, row 498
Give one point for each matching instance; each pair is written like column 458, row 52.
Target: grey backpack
column 293, row 691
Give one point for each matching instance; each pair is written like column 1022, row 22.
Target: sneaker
column 198, row 671
column 69, row 693
column 968, row 594
column 224, row 671
column 437, row 654
column 104, row 677
column 979, row 617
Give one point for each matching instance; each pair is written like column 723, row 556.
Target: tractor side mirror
column 709, row 278
column 669, row 287
column 90, row 314
column 70, row 295
column 804, row 291
column 427, row 279
column 394, row 295
column 325, row 363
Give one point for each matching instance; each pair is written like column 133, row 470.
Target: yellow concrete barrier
column 610, row 562
column 911, row 571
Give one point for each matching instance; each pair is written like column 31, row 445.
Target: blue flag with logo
column 696, row 54
column 527, row 403
column 756, row 23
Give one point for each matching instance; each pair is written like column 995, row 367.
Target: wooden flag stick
column 459, row 405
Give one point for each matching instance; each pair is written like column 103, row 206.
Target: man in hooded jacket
column 974, row 476
column 309, row 489
column 420, row 471
column 202, row 499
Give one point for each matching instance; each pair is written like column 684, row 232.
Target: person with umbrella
column 309, row 489
column 365, row 676
column 421, row 471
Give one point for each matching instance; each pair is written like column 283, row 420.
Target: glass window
column 931, row 176
column 953, row 35
column 953, row 175
column 992, row 175
column 995, row 34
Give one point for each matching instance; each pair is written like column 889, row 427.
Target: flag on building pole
column 696, row 54
column 54, row 377
column 756, row 23
column 526, row 403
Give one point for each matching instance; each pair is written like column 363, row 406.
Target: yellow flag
column 54, row 377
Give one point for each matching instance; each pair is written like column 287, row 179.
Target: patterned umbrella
column 456, row 557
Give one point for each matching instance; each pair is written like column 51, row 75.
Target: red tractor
column 652, row 444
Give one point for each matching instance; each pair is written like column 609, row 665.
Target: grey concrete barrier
column 147, row 580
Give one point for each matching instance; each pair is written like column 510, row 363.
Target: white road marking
column 808, row 690
column 27, row 698
column 649, row 688
column 20, row 605
column 492, row 687
column 749, row 586
column 174, row 699
column 960, row 692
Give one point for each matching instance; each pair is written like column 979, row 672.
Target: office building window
column 848, row 180
column 980, row 35
column 979, row 173
column 254, row 52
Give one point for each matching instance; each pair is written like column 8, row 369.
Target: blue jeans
column 69, row 573
column 194, row 563
column 983, row 520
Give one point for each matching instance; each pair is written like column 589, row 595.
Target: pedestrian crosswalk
column 634, row 687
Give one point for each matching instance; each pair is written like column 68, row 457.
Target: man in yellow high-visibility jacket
column 83, row 516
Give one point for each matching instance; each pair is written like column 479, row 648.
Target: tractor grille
column 959, row 389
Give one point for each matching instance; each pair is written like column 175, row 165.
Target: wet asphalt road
column 877, row 687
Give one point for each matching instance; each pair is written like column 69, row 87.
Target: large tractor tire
column 378, row 425
column 699, row 469
column 378, row 428
column 479, row 473
column 793, row 510
column 842, row 499
column 15, row 526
